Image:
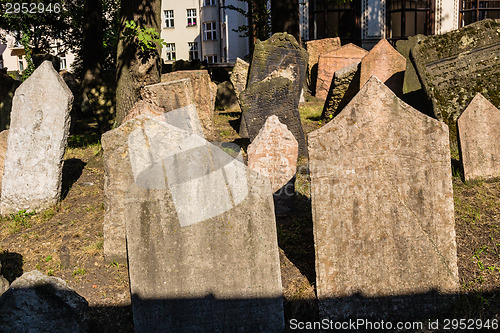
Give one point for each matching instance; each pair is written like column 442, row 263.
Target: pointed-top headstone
column 316, row 48
column 381, row 188
column 274, row 153
column 479, row 134
column 330, row 62
column 39, row 127
column 387, row 64
column 239, row 76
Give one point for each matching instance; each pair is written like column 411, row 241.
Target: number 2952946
column 32, row 8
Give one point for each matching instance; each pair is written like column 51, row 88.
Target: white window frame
column 62, row 61
column 169, row 18
column 20, row 63
column 191, row 19
column 211, row 58
column 193, row 51
column 170, row 51
column 212, row 32
column 209, row 3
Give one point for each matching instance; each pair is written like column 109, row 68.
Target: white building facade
column 202, row 29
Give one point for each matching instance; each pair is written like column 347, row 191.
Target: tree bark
column 134, row 69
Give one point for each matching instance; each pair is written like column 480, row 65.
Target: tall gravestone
column 269, row 97
column 387, row 64
column 39, row 128
column 178, row 101
column 410, row 82
column 204, row 92
column 479, row 138
column 201, row 237
column 455, row 66
column 280, row 52
column 239, row 76
column 331, row 62
column 382, row 205
column 316, row 48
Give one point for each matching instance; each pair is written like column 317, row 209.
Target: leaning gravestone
column 410, row 82
column 204, row 92
column 239, row 76
column 382, row 205
column 39, row 127
column 331, row 62
column 177, row 99
column 345, row 85
column 279, row 53
column 387, row 64
column 210, row 266
column 316, row 48
column 479, row 138
column 271, row 97
column 274, row 154
column 455, row 66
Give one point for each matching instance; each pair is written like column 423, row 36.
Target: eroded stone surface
column 204, row 92
column 331, row 62
column 345, row 85
column 271, row 97
column 380, row 189
column 209, row 266
column 387, row 64
column 39, row 303
column 146, row 109
column 455, row 66
column 274, row 153
column 3, row 150
column 39, row 127
column 239, row 76
column 177, row 99
column 479, row 132
column 316, row 48
column 280, row 53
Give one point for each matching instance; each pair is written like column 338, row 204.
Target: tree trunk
column 134, row 69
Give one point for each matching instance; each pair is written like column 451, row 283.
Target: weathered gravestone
column 387, row 64
column 410, row 81
column 118, row 173
column 204, row 93
column 479, row 138
column 3, row 150
column 239, row 76
column 345, row 85
column 271, row 97
column 39, row 303
column 331, row 62
column 177, row 99
column 316, row 48
column 455, row 66
column 201, row 237
column 274, row 154
column 39, row 127
column 279, row 53
column 226, row 96
column 382, row 205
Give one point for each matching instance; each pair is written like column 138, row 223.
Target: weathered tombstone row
column 315, row 49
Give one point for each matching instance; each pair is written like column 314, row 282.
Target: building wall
column 236, row 46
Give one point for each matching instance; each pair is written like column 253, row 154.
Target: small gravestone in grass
column 37, row 139
column 479, row 138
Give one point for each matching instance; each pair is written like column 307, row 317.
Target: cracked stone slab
column 382, row 203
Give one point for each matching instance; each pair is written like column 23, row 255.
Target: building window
column 408, row 18
column 209, row 31
column 193, row 51
column 191, row 16
column 329, row 19
column 170, row 51
column 211, row 59
column 209, row 3
column 475, row 10
column 169, row 18
column 62, row 61
column 21, row 64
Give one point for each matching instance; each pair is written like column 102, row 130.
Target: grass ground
column 67, row 240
